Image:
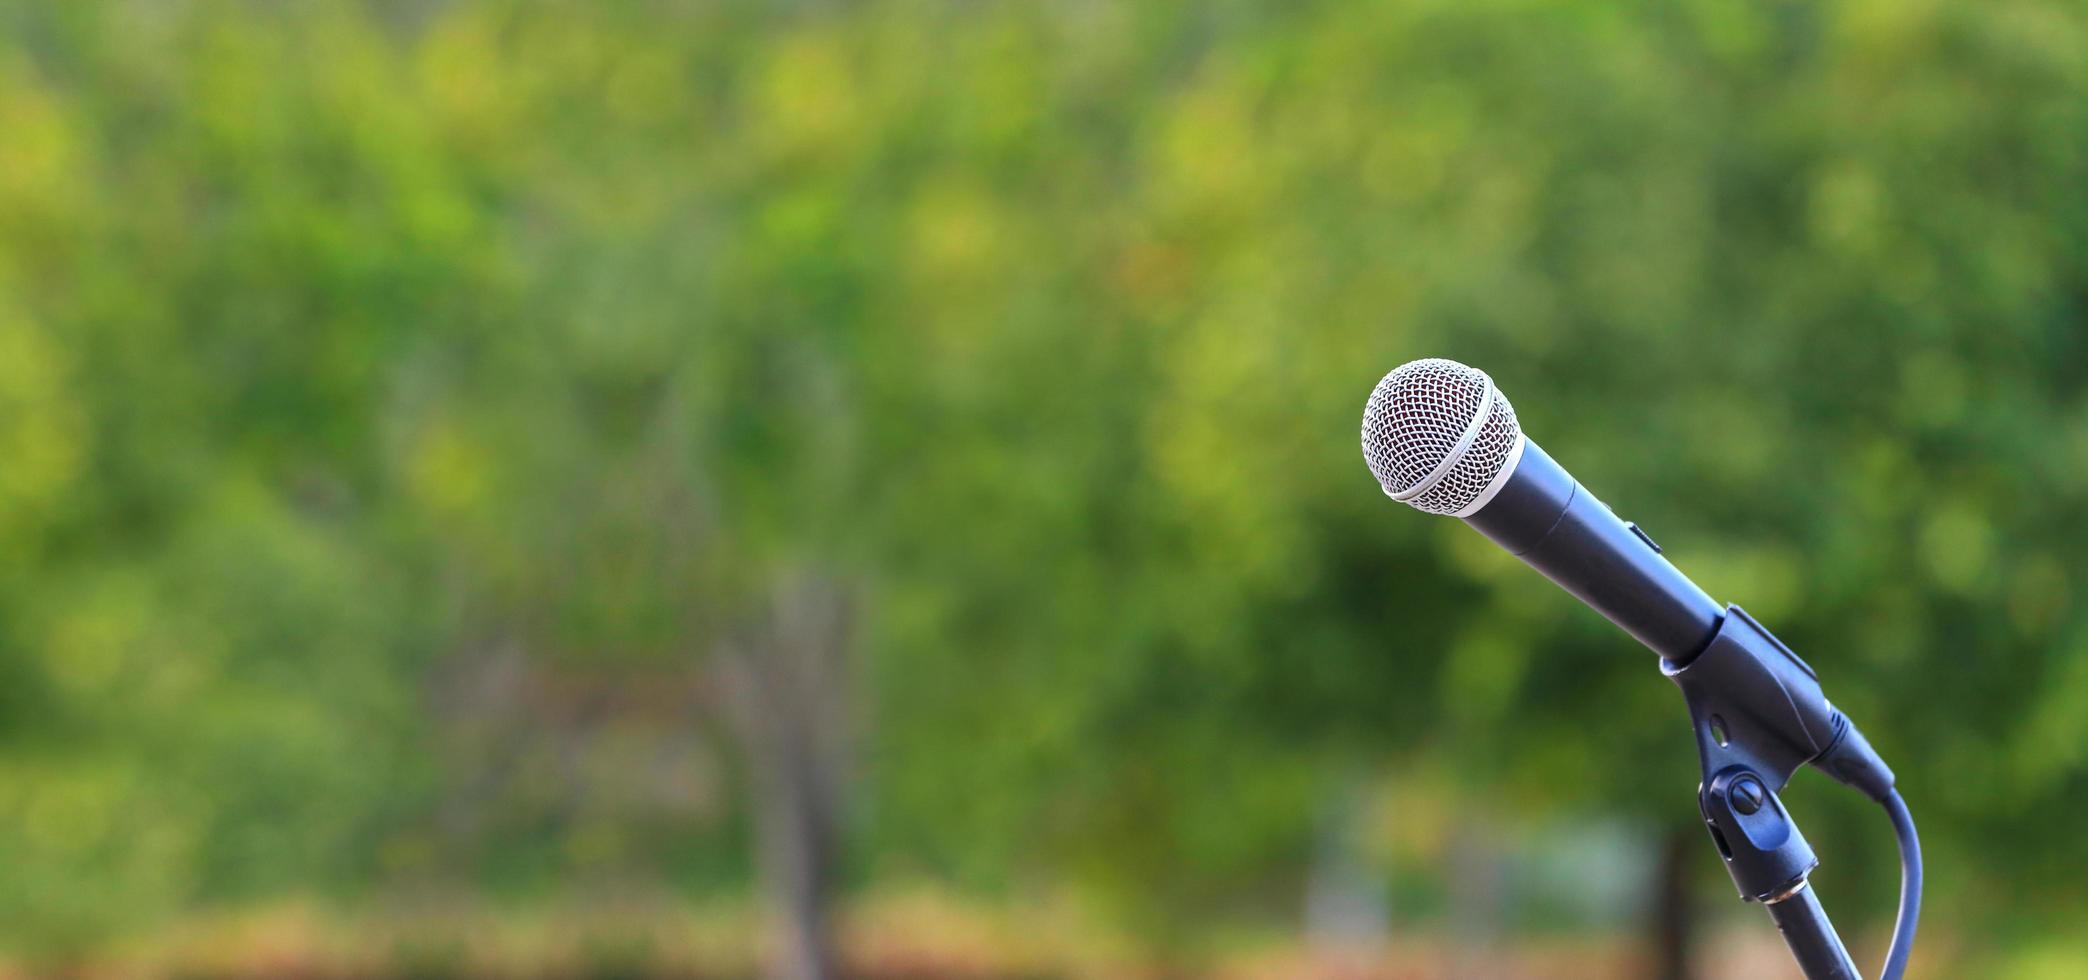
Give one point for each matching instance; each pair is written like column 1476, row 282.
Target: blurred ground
column 920, row 936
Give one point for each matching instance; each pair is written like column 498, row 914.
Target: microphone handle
column 1543, row 516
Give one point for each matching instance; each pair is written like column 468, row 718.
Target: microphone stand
column 1758, row 715
column 1770, row 861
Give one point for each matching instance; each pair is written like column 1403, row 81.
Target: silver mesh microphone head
column 1440, row 437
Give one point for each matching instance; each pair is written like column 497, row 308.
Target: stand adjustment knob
column 1748, row 795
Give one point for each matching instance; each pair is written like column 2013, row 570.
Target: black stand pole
column 1811, row 937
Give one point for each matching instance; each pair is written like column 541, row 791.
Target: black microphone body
column 1543, row 516
column 1747, row 677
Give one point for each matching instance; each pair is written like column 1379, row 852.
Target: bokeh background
column 663, row 488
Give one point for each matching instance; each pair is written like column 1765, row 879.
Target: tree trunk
column 787, row 683
column 1674, row 910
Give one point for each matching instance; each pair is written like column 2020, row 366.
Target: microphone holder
column 1759, row 714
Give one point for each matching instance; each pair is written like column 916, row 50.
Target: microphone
column 1441, row 438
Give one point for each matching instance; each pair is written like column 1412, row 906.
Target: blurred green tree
column 422, row 425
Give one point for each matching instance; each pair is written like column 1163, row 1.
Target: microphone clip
column 1759, row 714
column 1754, row 704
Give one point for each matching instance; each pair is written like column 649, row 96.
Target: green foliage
column 354, row 360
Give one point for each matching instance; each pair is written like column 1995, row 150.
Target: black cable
column 1910, row 886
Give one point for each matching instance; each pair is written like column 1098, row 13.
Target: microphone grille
column 1437, row 433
